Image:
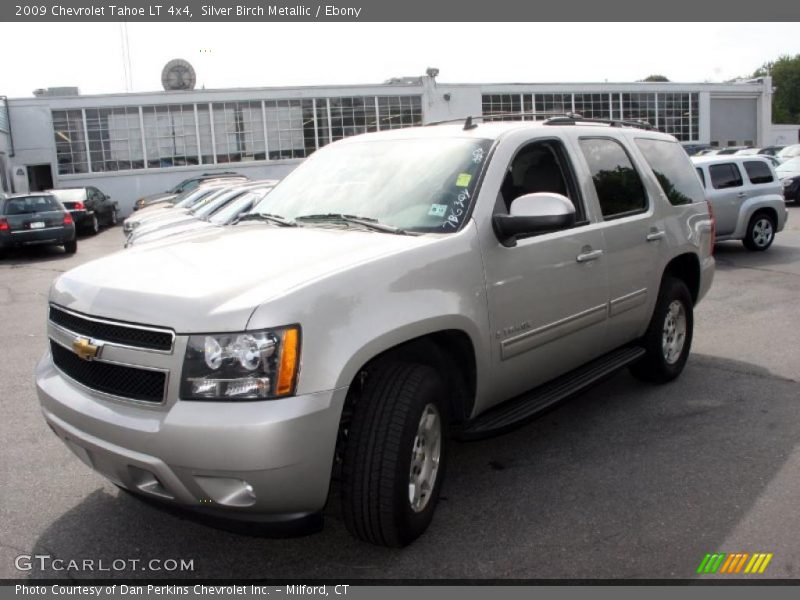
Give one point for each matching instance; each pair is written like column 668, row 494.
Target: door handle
column 655, row 235
column 589, row 255
column 741, row 195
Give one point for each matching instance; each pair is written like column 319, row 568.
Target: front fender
column 351, row 316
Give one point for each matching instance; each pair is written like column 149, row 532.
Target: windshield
column 241, row 204
column 213, row 203
column 422, row 184
column 187, row 200
column 790, row 167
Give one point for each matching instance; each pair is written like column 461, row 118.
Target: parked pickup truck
column 746, row 197
column 397, row 289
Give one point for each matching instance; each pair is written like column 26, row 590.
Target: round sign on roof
column 178, row 74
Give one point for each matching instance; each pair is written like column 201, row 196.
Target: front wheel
column 669, row 336
column 394, row 454
column 760, row 232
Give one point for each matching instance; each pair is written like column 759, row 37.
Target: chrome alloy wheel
column 762, row 232
column 425, row 458
column 674, row 335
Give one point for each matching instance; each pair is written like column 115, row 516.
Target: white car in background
column 789, row 152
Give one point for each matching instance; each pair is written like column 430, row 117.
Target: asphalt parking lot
column 625, row 481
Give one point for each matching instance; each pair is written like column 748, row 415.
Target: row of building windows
column 676, row 113
column 172, row 135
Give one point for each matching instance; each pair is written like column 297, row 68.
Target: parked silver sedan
column 216, row 210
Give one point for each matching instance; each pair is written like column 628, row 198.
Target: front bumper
column 259, row 461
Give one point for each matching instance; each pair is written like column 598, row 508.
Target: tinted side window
column 541, row 166
column 758, row 171
column 702, row 176
column 619, row 188
column 673, row 169
column 725, row 176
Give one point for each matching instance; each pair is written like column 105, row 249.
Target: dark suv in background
column 90, row 208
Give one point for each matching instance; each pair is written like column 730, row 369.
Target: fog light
column 227, row 491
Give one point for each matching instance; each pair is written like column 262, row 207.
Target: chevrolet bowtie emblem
column 85, row 349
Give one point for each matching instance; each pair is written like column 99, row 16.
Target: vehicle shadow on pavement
column 732, row 255
column 627, row 480
column 33, row 254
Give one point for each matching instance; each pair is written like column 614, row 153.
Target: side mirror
column 534, row 213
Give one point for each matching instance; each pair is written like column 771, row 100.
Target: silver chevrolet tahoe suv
column 397, row 290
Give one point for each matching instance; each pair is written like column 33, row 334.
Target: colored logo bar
column 735, row 562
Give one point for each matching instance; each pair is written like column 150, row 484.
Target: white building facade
column 134, row 144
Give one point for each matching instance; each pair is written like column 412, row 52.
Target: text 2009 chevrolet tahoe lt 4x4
column 396, row 289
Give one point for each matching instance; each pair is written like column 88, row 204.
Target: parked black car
column 185, row 186
column 35, row 219
column 90, row 208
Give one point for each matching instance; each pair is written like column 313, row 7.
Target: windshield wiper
column 367, row 222
column 256, row 216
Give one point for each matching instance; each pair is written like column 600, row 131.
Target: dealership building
column 133, row 144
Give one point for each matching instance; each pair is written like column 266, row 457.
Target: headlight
column 788, row 182
column 253, row 365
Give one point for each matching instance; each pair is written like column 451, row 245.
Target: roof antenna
column 468, row 124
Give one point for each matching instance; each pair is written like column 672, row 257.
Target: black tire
column 71, row 247
column 655, row 366
column 376, row 473
column 760, row 232
column 94, row 225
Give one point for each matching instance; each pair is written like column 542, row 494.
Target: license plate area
column 37, row 225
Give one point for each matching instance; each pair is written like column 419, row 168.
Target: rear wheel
column 669, row 336
column 71, row 247
column 760, row 232
column 94, row 225
column 394, row 454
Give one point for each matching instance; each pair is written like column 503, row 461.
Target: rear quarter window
column 758, row 171
column 702, row 176
column 673, row 170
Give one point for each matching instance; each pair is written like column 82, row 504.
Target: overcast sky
column 89, row 56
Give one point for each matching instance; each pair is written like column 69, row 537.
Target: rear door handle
column 741, row 195
column 656, row 235
column 589, row 255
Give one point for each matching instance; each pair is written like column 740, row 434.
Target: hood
column 214, row 281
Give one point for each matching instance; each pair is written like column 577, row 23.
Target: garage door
column 734, row 121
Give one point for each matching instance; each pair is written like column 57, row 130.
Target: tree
column 661, row 78
column 785, row 73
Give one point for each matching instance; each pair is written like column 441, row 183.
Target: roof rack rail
column 551, row 118
column 574, row 119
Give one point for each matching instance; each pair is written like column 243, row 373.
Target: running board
column 518, row 410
